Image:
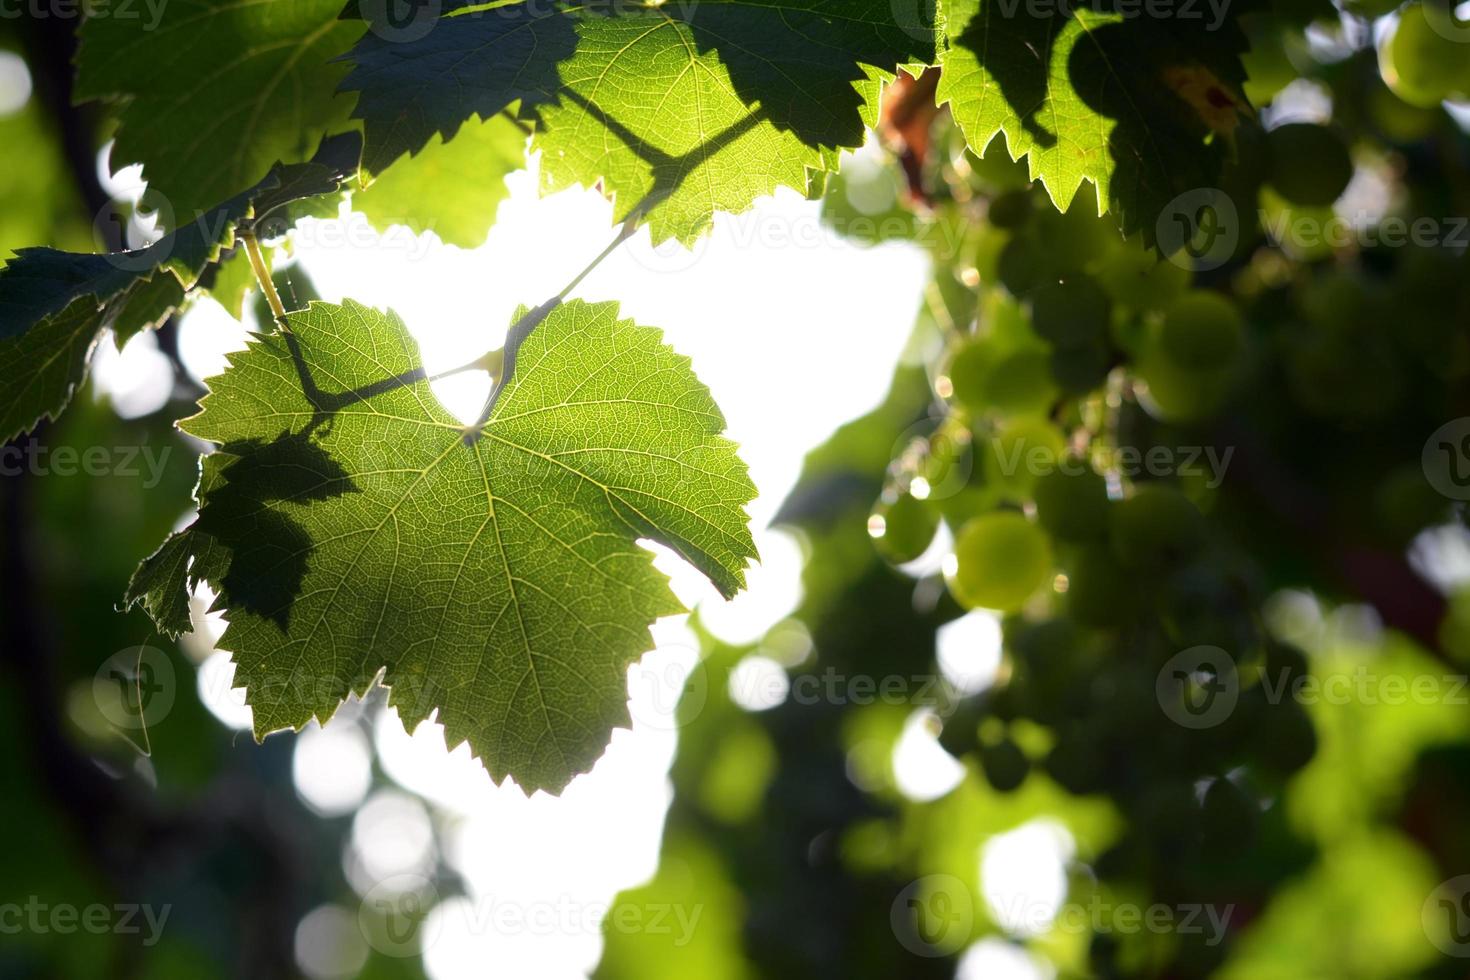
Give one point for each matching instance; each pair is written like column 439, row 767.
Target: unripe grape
column 1202, row 331
column 902, row 530
column 1310, row 164
column 1073, row 506
column 1420, row 64
column 1073, row 312
column 999, row 560
column 1155, row 528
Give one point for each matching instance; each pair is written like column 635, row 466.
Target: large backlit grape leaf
column 675, row 109
column 54, row 304
column 1142, row 107
column 350, row 526
column 451, row 188
column 215, row 91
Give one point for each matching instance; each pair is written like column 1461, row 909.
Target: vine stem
column 523, row 327
column 263, row 276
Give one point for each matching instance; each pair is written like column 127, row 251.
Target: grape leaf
column 470, row 63
column 54, row 304
column 676, row 109
column 495, row 578
column 1130, row 104
column 216, row 91
column 451, row 188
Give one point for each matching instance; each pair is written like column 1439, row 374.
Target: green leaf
column 1142, row 107
column 451, row 188
column 354, row 528
column 216, row 91
column 479, row 63
column 677, row 110
column 53, row 304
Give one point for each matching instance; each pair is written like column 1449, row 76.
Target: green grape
column 1137, row 279
column 1023, row 266
column 1005, row 765
column 1020, row 450
column 903, row 529
column 1398, row 119
column 1078, row 370
column 1021, row 383
column 1202, row 331
column 1421, row 65
column 1074, row 312
column 1178, row 395
column 1309, row 164
column 999, row 560
column 1072, row 506
column 969, row 373
column 1078, row 238
column 1099, row 592
column 1155, row 528
column 1016, row 382
column 1011, row 210
column 994, row 170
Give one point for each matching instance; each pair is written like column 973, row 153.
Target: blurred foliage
column 1290, row 385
